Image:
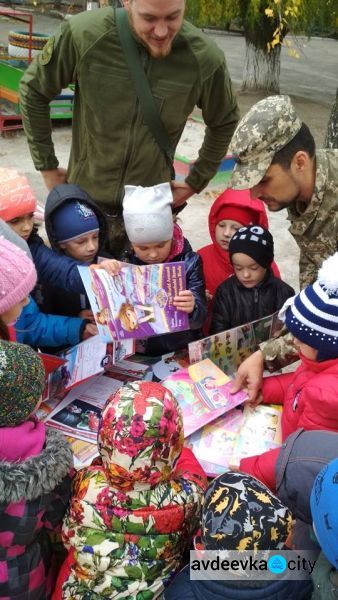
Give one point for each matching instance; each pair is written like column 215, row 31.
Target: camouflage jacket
column 316, row 233
column 316, row 228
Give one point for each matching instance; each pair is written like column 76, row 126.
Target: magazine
column 138, row 302
column 78, row 414
column 82, row 362
column 240, row 433
column 214, row 444
column 203, row 392
column 228, row 349
column 261, row 430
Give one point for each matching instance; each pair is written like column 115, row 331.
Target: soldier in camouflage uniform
column 277, row 160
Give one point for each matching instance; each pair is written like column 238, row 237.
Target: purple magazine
column 138, row 302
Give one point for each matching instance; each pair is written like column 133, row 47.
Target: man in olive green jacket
column 276, row 158
column 111, row 144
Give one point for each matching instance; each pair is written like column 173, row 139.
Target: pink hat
column 16, row 195
column 17, row 275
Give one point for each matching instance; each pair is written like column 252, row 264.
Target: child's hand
column 89, row 331
column 208, row 295
column 86, row 314
column 112, row 266
column 185, row 301
column 253, row 403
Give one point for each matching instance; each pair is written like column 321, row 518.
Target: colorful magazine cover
column 203, row 392
column 213, row 445
column 228, row 349
column 138, row 302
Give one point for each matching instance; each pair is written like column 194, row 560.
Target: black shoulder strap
column 150, row 110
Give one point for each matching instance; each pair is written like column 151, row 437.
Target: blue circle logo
column 277, row 564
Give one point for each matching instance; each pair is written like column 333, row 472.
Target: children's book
column 214, row 444
column 81, row 362
column 203, row 392
column 261, row 430
column 228, row 349
column 138, row 302
column 78, row 414
column 242, row 432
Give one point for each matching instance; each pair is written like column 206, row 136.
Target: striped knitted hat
column 312, row 315
column 22, row 380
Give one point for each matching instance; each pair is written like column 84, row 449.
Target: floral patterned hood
column 140, row 436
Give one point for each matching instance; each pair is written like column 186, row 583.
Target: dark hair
column 303, row 140
column 4, row 333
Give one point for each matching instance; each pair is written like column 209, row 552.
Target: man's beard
column 153, row 51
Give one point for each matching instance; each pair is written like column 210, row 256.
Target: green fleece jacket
column 111, row 145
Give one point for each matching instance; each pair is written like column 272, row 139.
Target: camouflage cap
column 268, row 126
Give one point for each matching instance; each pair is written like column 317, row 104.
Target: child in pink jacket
column 310, row 394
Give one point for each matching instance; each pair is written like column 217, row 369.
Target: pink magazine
column 213, row 445
column 203, row 393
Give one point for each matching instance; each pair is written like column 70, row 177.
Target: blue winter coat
column 182, row 588
column 40, row 330
column 55, row 269
column 156, row 346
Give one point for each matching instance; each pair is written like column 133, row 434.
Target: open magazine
column 78, row 414
column 228, row 349
column 81, row 362
column 238, row 434
column 203, row 392
column 138, row 302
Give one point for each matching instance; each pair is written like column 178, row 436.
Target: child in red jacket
column 310, row 394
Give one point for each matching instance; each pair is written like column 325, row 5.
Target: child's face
column 12, row 314
column 224, row 231
column 247, row 271
column 84, row 248
column 154, row 253
column 23, row 225
column 305, row 350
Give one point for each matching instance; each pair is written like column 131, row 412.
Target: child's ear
column 62, row 246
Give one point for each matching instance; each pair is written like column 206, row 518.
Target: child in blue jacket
column 76, row 229
column 147, row 214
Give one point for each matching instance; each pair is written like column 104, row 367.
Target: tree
column 331, row 140
column 265, row 24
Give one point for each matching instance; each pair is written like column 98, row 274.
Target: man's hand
column 249, row 376
column 54, row 177
column 89, row 331
column 112, row 266
column 181, row 191
column 184, row 301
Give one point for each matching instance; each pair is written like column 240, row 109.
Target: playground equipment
column 24, row 47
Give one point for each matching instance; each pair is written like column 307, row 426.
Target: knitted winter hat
column 324, row 503
column 22, row 381
column 140, row 436
column 17, row 275
column 16, row 195
column 312, row 315
column 73, row 219
column 147, row 213
column 256, row 242
column 240, row 513
column 241, row 214
column 9, row 234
